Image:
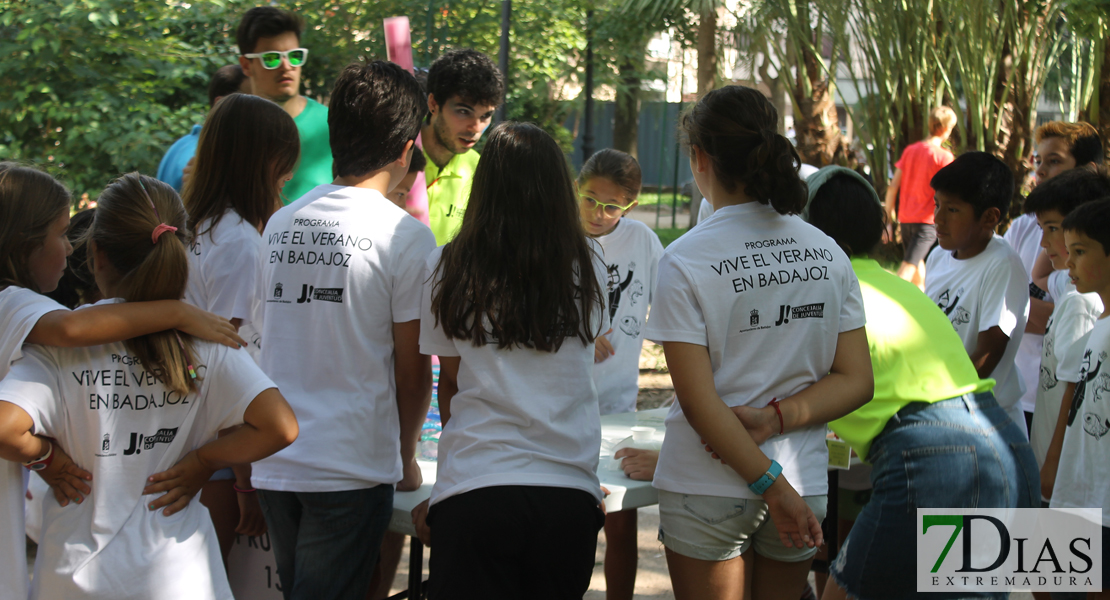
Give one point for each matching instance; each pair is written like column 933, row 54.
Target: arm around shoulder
column 107, row 323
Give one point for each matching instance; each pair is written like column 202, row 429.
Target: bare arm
column 892, row 195
column 448, row 385
column 1055, row 448
column 989, row 348
column 1039, row 312
column 849, row 385
column 18, row 444
column 1042, row 268
column 692, row 374
column 413, row 374
column 108, row 323
column 268, row 426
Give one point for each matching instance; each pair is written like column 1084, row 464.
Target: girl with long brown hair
column 248, row 149
column 513, row 306
column 34, row 219
column 140, row 414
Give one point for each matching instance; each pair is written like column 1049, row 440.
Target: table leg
column 832, row 516
column 416, row 569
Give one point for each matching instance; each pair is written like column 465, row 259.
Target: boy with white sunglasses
column 269, row 42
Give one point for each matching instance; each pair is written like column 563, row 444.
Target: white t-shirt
column 1024, row 236
column 768, row 295
column 1064, row 341
column 223, row 273
column 632, row 253
column 1083, row 477
column 340, row 266
column 20, row 309
column 521, row 416
column 987, row 290
column 704, row 210
column 117, row 421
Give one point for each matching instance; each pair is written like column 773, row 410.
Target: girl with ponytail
column 143, row 415
column 34, row 220
column 761, row 320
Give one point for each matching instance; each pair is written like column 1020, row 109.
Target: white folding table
column 624, row 493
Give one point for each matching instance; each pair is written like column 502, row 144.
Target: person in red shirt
column 918, row 164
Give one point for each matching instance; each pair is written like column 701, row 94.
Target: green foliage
column 95, row 88
column 668, row 235
column 101, row 87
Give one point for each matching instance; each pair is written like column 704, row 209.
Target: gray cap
column 818, row 179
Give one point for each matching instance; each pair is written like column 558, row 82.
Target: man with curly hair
column 464, row 88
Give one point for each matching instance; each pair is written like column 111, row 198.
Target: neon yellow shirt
column 448, row 193
column 915, row 353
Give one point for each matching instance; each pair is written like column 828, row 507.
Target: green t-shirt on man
column 915, row 353
column 448, row 193
column 315, row 166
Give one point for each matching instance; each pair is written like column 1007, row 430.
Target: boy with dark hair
column 464, row 88
column 1083, row 476
column 176, row 164
column 271, row 55
column 1074, row 314
column 342, row 279
column 975, row 277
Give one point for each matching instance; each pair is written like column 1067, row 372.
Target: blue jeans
column 326, row 543
column 958, row 453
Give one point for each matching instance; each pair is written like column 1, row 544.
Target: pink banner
column 398, row 41
column 398, row 47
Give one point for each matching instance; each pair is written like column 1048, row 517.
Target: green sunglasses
column 272, row 59
column 610, row 210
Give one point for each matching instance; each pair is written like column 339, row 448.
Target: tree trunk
column 1014, row 123
column 707, row 51
column 1103, row 107
column 816, row 124
column 626, row 125
column 778, row 92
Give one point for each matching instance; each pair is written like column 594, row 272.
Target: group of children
column 772, row 327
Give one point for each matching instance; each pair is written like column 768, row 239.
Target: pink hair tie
column 159, row 230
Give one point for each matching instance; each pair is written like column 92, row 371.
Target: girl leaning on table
column 608, row 185
column 754, row 308
column 34, row 220
column 512, row 307
column 931, row 414
column 142, row 415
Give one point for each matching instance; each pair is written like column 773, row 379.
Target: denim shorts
column 716, row 528
column 963, row 452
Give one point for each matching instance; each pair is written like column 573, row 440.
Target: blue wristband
column 760, row 485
